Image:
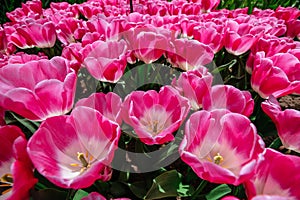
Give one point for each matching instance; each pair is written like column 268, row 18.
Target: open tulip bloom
column 48, row 89
column 108, row 105
column 71, row 154
column 276, row 176
column 153, row 115
column 287, row 123
column 16, row 169
column 221, row 147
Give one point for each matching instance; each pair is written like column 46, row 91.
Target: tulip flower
column 48, row 89
column 71, row 154
column 109, row 30
column 16, row 169
column 69, row 30
column 31, row 9
column 230, row 98
column 276, row 177
column 106, row 61
column 221, row 147
column 194, row 85
column 211, row 35
column 293, row 29
column 238, row 39
column 189, row 54
column 153, row 115
column 277, row 75
column 287, row 123
column 287, row 14
column 270, row 45
column 35, row 34
column 109, row 105
column 147, row 43
column 207, row 5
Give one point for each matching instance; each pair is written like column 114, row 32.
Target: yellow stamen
column 81, row 158
column 218, row 159
column 7, row 178
column 6, row 181
column 74, row 164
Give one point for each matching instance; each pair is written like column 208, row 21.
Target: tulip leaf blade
column 224, row 67
column 167, row 184
column 218, row 192
column 30, row 125
column 276, row 144
column 80, row 194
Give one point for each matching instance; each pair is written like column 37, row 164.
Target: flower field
column 145, row 99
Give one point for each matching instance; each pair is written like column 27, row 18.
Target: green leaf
column 138, row 189
column 276, row 144
column 218, row 192
column 225, row 66
column 80, row 194
column 25, row 122
column 166, row 185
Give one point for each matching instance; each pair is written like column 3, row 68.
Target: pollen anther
column 218, row 159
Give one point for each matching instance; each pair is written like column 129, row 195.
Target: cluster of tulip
column 74, row 142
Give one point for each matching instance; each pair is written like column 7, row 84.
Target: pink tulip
column 221, row 147
column 109, row 105
column 21, row 58
column 35, row 34
column 287, row 123
column 191, row 9
column 110, row 30
column 287, row 14
column 270, row 45
column 9, row 47
column 65, row 7
column 194, row 85
column 31, row 9
column 48, row 89
column 207, row 5
column 153, row 115
column 277, row 75
column 147, row 43
column 238, row 39
column 189, row 54
column 74, row 54
column 211, row 35
column 16, row 169
column 71, row 154
column 276, row 177
column 106, row 61
column 90, row 8
column 69, row 30
column 230, row 98
column 293, row 29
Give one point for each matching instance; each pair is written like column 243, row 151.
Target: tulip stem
column 71, row 194
column 199, row 189
column 131, row 6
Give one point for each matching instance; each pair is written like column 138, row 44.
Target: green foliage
column 80, row 194
column 218, row 192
